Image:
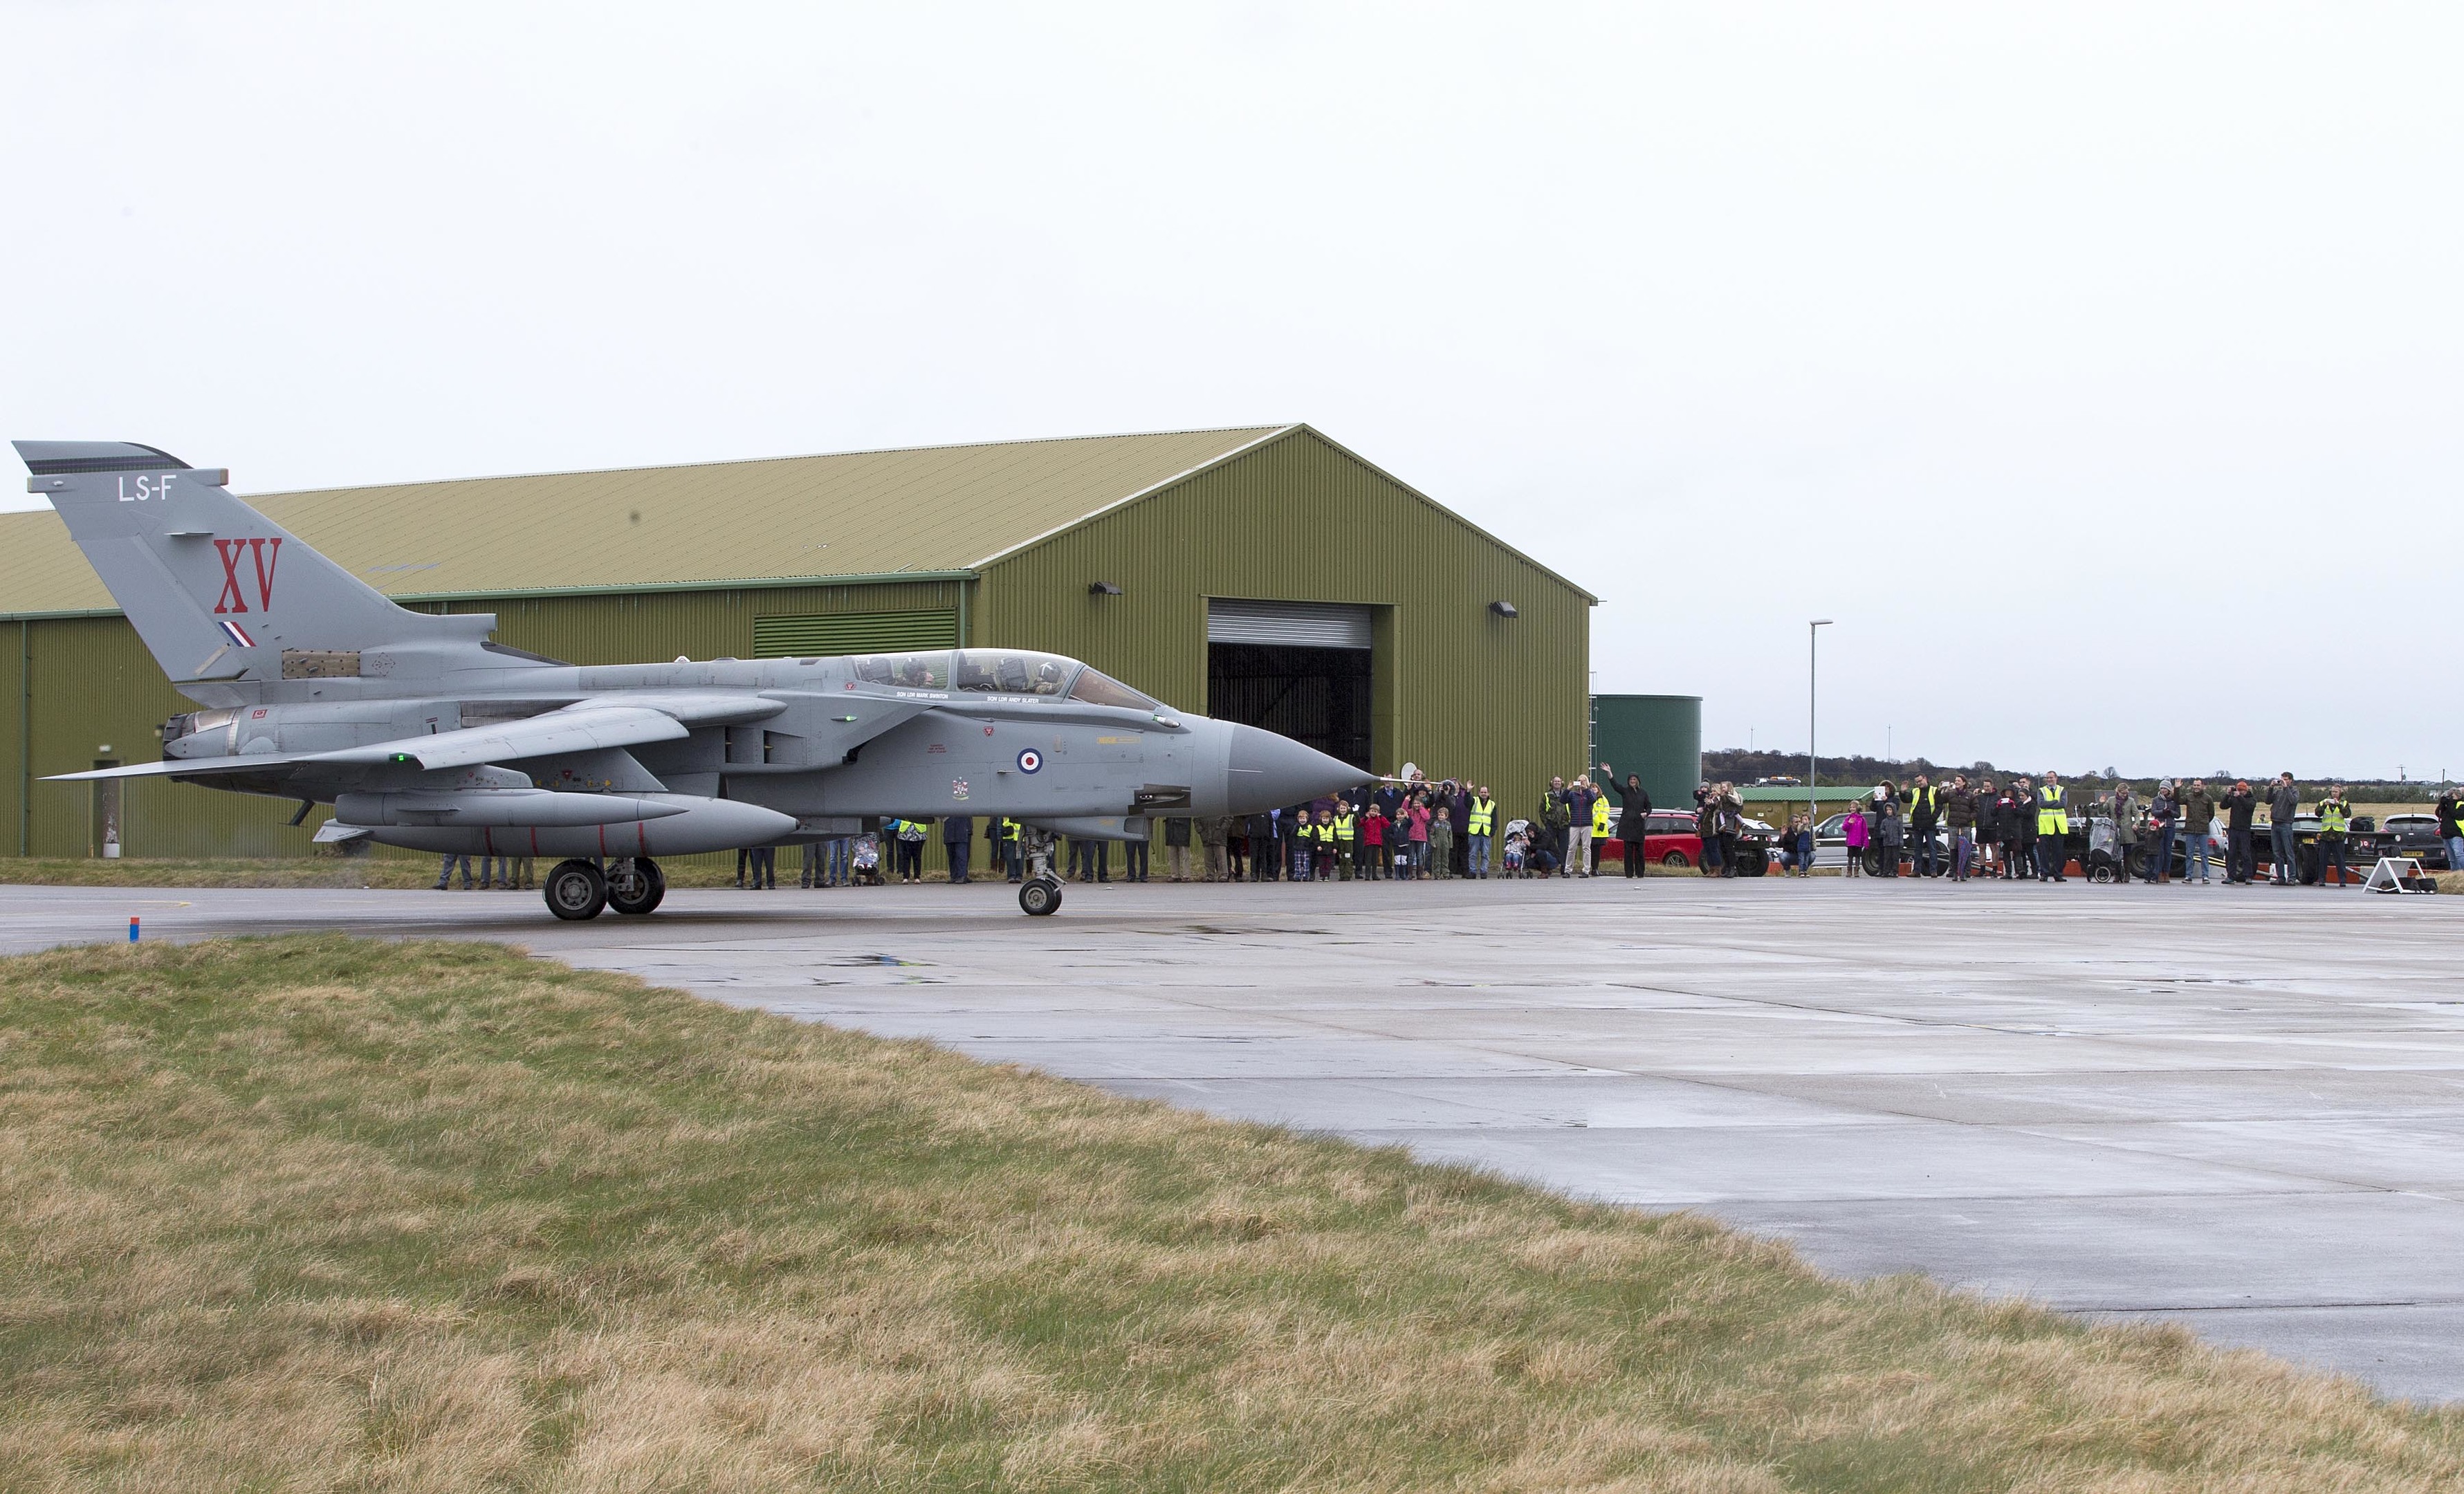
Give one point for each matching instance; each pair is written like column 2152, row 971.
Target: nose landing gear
column 1040, row 894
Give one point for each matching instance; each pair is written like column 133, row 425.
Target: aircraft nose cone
column 1268, row 771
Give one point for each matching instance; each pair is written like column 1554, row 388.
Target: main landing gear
column 577, row 891
column 635, row 884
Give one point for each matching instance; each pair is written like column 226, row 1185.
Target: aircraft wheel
column 637, row 886
column 1040, row 898
column 575, row 890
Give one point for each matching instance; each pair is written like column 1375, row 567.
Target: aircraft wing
column 571, row 729
column 188, row 767
column 692, row 707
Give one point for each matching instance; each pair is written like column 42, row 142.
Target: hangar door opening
column 1298, row 667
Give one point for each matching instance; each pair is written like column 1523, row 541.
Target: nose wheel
column 1039, row 896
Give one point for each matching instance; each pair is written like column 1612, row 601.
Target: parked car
column 2416, row 836
column 1670, row 838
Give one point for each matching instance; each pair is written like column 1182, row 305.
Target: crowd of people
column 1415, row 828
column 1406, row 829
column 2029, row 830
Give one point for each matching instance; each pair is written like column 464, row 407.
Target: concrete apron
column 2239, row 1108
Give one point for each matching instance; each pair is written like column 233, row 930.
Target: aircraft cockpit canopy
column 1003, row 671
column 1007, row 672
column 1096, row 687
column 907, row 671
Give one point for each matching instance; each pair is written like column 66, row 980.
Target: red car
column 1671, row 840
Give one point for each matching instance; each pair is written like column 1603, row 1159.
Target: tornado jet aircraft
column 423, row 732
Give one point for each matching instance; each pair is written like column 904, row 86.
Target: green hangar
column 1263, row 575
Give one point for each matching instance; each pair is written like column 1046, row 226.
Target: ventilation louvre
column 855, row 632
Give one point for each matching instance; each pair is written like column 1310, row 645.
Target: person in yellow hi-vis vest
column 1600, row 817
column 2052, row 828
column 2335, row 817
column 1480, row 826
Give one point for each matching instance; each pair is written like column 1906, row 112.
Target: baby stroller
column 2103, row 859
column 1517, row 845
column 868, row 861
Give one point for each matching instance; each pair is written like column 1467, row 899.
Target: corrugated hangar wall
column 1457, row 689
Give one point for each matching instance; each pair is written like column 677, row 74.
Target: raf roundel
column 1030, row 760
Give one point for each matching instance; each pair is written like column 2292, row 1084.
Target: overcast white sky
column 2097, row 367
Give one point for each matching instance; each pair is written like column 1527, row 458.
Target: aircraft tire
column 575, row 890
column 1040, row 897
column 641, row 893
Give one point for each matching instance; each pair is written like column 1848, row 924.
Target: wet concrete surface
column 2239, row 1108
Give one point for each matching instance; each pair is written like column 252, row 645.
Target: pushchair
column 867, row 861
column 1516, row 848
column 2103, row 860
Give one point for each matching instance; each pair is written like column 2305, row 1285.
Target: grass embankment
column 322, row 1214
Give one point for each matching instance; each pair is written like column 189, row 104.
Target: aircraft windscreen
column 1096, row 687
column 912, row 670
column 1006, row 671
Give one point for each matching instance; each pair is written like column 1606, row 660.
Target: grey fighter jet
column 422, row 732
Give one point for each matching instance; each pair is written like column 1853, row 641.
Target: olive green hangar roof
column 920, row 511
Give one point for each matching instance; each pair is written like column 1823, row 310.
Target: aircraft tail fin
column 222, row 595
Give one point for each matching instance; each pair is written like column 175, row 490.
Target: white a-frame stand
column 2398, row 874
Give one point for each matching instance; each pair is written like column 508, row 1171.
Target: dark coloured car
column 2416, row 836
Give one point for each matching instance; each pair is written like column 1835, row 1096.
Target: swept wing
column 573, row 730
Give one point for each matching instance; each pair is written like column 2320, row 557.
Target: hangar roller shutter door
column 855, row 632
column 1291, row 624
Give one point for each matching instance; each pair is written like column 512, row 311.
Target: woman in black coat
column 1634, row 816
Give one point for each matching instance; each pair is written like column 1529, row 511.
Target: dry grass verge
column 325, row 1213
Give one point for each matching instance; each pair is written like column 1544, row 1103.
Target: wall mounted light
column 1503, row 608
column 1103, row 588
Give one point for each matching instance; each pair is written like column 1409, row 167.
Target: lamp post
column 1812, row 636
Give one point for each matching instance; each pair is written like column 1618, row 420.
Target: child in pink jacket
column 1856, row 834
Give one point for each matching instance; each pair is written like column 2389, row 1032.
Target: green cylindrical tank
column 1658, row 737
